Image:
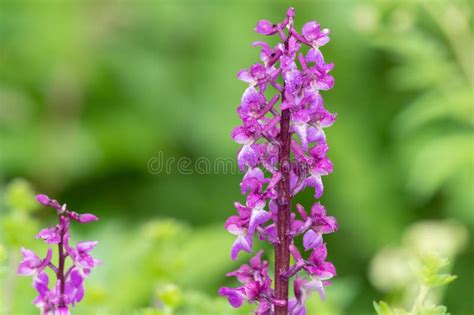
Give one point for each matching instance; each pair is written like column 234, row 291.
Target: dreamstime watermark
column 160, row 164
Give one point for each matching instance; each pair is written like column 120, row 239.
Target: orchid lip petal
column 311, row 239
column 241, row 243
column 233, row 295
column 244, row 75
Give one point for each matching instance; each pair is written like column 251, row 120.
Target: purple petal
column 316, row 134
column 43, row 199
column 329, row 225
column 325, row 83
column 235, row 296
column 293, row 47
column 275, row 179
column 315, row 181
column 62, row 310
column 297, row 226
column 241, row 243
column 258, row 217
column 239, row 134
column 295, row 253
column 269, row 233
column 319, row 151
column 29, row 264
column 87, row 217
column 266, row 52
column 323, row 38
column 79, row 294
column 244, row 274
column 327, row 271
column 29, row 255
column 264, row 308
column 301, row 131
column 247, row 156
column 76, row 278
column 311, row 239
column 45, row 262
column 326, row 119
column 252, row 290
column 251, row 100
column 323, row 167
column 310, row 31
column 273, row 206
column 244, row 75
column 86, row 247
column 264, row 27
column 314, row 98
column 256, row 261
column 255, row 201
column 244, row 211
column 315, row 285
column 296, row 308
column 293, row 80
column 50, row 235
column 319, row 254
column 252, row 181
column 258, row 71
column 40, row 283
column 233, row 225
column 315, row 55
column 318, row 210
column 290, row 12
column 302, row 211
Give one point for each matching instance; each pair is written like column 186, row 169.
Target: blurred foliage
column 430, row 275
column 91, row 90
column 410, row 272
column 19, row 198
column 431, row 46
column 18, row 228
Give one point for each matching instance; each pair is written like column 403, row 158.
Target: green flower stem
column 420, row 299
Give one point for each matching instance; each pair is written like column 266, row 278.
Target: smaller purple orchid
column 69, row 287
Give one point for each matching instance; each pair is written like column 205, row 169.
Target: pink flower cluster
column 283, row 150
column 68, row 289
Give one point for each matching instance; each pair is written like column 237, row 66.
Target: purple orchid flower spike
column 68, row 289
column 289, row 124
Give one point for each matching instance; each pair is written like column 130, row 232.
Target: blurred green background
column 90, row 91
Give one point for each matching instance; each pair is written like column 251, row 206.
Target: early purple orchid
column 270, row 137
column 69, row 286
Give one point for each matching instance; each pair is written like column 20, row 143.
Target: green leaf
column 382, row 308
column 430, row 273
column 434, row 310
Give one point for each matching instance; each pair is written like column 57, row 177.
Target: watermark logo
column 160, row 164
